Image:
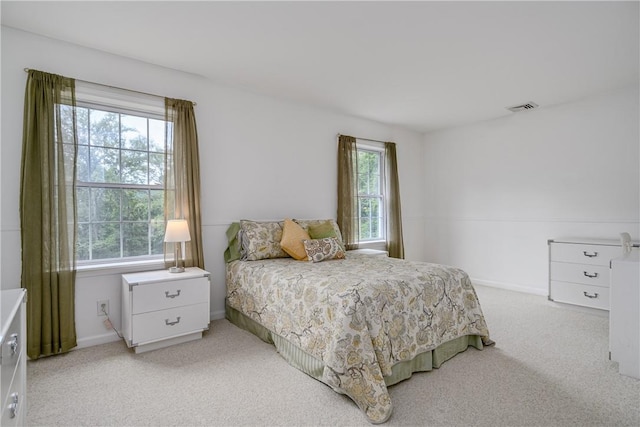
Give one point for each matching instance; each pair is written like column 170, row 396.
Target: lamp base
column 176, row 270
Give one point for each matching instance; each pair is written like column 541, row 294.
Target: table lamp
column 177, row 233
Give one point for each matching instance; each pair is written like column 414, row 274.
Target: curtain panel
column 182, row 177
column 348, row 191
column 395, row 242
column 48, row 212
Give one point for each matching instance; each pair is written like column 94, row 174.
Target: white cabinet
column 160, row 308
column 13, row 367
column 624, row 317
column 579, row 271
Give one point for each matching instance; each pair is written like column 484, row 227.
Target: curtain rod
column 365, row 139
column 26, row 70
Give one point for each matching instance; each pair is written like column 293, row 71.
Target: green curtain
column 348, row 191
column 395, row 243
column 182, row 182
column 48, row 212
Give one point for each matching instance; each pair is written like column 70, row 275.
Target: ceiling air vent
column 523, row 107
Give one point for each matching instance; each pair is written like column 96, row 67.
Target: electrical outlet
column 103, row 307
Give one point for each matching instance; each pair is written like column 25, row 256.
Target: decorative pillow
column 322, row 230
column 292, row 237
column 323, row 249
column 234, row 249
column 309, row 224
column 261, row 240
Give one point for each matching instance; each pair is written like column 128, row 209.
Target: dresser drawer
column 158, row 325
column 576, row 293
column 11, row 349
column 169, row 294
column 584, row 254
column 596, row 275
column 14, row 403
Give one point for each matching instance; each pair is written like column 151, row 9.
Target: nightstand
column 160, row 308
column 579, row 271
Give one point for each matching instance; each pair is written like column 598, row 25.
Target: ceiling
column 418, row 65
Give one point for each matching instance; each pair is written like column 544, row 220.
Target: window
column 120, row 192
column 371, row 218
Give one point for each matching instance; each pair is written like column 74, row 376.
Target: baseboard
column 97, row 340
column 217, row 315
column 510, row 287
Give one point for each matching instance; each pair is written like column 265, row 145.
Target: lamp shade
column 177, row 231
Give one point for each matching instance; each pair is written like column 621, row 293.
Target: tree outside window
column 119, row 191
column 370, row 195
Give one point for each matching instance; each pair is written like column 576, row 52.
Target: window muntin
column 371, row 219
column 119, row 190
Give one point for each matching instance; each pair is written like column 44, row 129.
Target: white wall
column 497, row 191
column 261, row 158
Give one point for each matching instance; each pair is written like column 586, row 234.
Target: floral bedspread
column 360, row 315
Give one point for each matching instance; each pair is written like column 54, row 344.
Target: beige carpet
column 549, row 367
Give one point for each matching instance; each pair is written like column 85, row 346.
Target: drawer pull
column 590, row 275
column 166, row 321
column 590, row 255
column 13, row 343
column 13, row 406
column 167, row 295
column 586, row 294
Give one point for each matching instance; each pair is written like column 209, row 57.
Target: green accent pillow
column 232, row 252
column 322, row 230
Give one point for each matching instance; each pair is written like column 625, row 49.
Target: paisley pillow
column 261, row 240
column 323, row 249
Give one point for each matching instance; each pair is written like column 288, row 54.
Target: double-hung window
column 371, row 212
column 120, row 195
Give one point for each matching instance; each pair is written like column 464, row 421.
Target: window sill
column 380, row 245
column 89, row 270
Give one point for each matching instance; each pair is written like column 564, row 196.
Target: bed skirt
column 314, row 367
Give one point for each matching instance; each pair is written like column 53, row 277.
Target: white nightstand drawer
column 584, row 254
column 169, row 294
column 596, row 275
column 157, row 325
column 585, row 295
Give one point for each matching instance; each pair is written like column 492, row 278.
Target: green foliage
column 369, row 195
column 118, row 150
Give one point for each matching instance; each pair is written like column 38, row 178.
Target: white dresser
column 160, row 308
column 579, row 271
column 624, row 317
column 13, row 338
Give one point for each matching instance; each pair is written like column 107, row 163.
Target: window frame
column 376, row 243
column 124, row 103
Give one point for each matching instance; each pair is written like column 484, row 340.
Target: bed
column 356, row 322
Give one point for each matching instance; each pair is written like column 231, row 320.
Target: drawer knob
column 590, row 275
column 13, row 343
column 588, row 295
column 166, row 321
column 590, row 254
column 13, row 406
column 168, row 295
